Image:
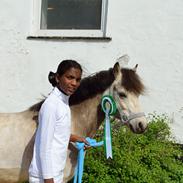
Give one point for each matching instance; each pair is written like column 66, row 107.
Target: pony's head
column 126, row 89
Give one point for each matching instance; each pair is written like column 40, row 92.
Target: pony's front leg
column 70, row 163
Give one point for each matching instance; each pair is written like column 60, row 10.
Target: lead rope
column 80, row 160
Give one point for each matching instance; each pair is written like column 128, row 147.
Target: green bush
column 153, row 157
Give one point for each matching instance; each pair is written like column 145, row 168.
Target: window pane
column 71, row 14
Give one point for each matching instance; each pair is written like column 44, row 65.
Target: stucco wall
column 150, row 32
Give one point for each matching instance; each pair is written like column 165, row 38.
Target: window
column 69, row 18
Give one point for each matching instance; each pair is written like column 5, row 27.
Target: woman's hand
column 76, row 138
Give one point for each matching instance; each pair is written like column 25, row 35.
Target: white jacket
column 52, row 136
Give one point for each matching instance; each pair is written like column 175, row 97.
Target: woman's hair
column 64, row 66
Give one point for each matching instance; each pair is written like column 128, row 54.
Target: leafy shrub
column 153, row 157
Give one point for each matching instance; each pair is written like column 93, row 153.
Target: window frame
column 36, row 31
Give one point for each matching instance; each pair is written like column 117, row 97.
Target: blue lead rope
column 80, row 164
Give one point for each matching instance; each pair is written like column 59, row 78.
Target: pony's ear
column 135, row 68
column 123, row 60
column 116, row 70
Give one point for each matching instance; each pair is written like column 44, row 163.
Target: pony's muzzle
column 139, row 125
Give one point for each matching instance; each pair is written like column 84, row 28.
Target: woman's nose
column 74, row 82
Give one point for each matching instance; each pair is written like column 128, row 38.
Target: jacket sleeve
column 47, row 122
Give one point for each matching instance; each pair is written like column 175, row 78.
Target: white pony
column 17, row 130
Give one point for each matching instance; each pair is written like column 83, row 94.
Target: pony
column 17, row 130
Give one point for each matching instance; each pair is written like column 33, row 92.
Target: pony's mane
column 98, row 83
column 92, row 85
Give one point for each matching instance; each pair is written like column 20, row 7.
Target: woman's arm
column 46, row 128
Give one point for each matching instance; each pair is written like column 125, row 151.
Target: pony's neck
column 87, row 117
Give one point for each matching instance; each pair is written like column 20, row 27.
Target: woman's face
column 69, row 81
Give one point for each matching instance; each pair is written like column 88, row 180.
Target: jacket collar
column 61, row 95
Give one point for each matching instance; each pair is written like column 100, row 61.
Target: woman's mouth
column 72, row 90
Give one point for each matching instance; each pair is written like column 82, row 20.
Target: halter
column 125, row 119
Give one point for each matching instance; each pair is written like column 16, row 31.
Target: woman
column 53, row 133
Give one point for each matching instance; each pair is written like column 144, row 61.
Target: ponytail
column 52, row 78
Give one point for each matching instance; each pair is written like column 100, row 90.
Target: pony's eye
column 122, row 95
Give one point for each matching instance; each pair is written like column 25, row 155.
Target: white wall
column 150, row 32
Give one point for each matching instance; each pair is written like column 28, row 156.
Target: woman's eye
column 122, row 95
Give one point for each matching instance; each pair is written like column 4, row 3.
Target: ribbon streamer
column 109, row 107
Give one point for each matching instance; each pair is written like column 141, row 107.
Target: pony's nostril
column 141, row 126
column 131, row 128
